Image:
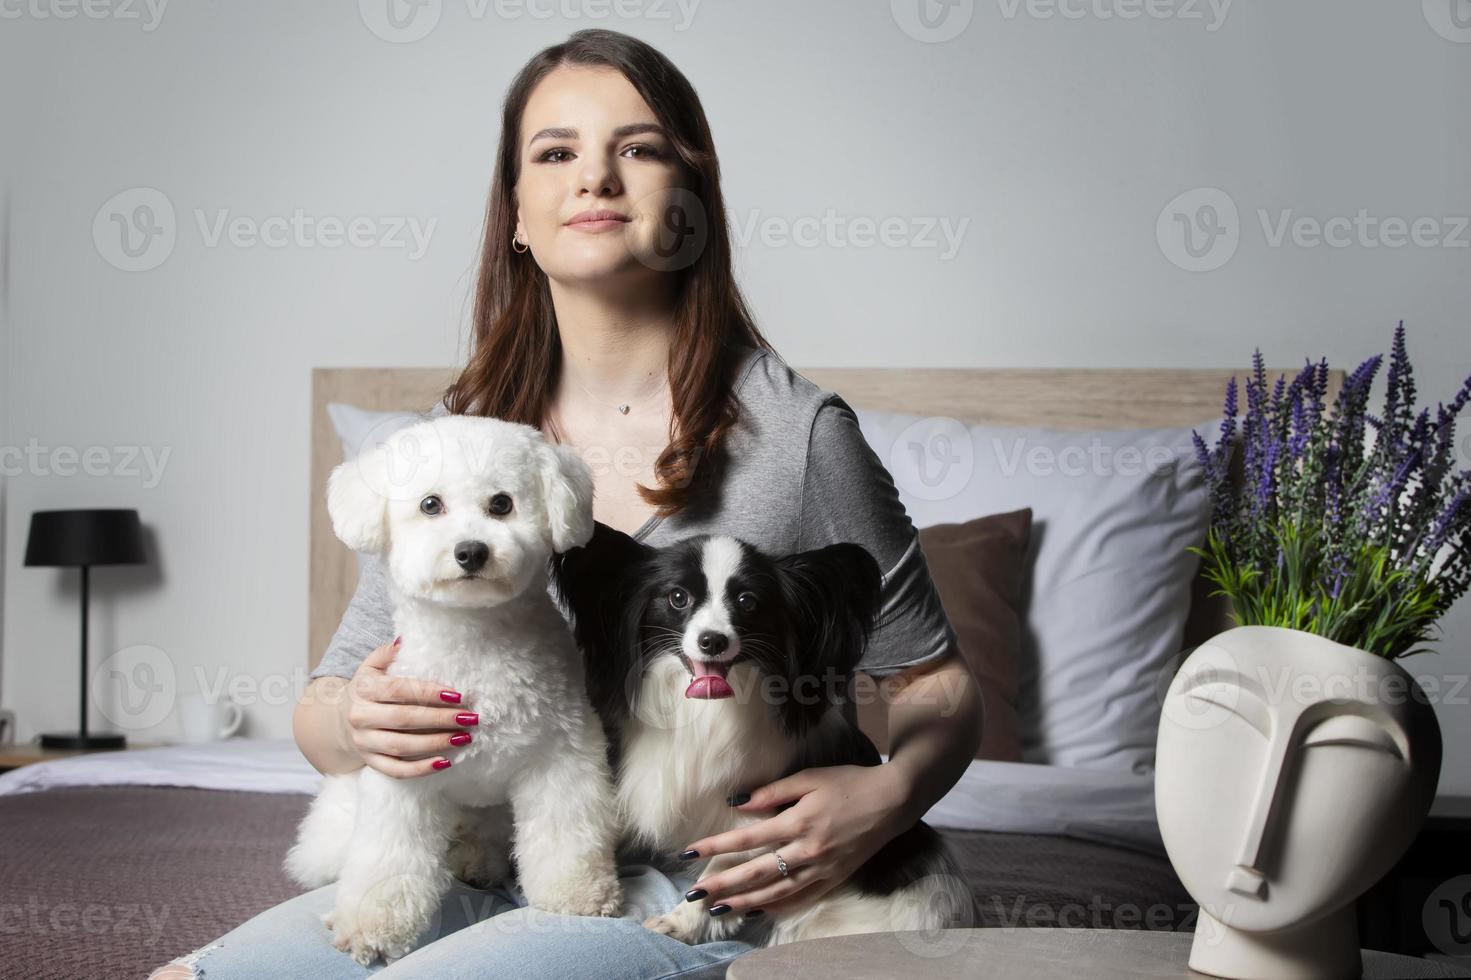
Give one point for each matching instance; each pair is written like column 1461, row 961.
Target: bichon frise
column 466, row 513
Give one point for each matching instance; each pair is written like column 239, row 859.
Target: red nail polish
column 441, row 763
column 453, row 697
column 397, row 641
column 467, row 718
column 460, row 738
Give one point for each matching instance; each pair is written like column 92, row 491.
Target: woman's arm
column 934, row 729
column 399, row 726
column 319, row 725
column 844, row 814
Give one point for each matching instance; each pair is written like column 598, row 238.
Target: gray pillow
column 1109, row 589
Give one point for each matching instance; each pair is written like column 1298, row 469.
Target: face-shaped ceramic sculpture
column 1292, row 772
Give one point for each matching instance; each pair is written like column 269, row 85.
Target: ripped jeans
column 478, row 933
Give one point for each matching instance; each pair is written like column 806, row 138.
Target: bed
column 183, row 843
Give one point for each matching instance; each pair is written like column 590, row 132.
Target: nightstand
column 15, row 756
column 1393, row 915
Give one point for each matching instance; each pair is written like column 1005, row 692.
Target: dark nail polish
column 687, row 855
column 753, row 913
column 719, row 909
column 695, row 894
column 398, row 641
column 467, row 718
column 460, row 738
column 453, row 697
column 441, row 763
column 738, row 798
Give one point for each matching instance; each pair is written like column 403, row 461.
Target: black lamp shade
column 85, row 537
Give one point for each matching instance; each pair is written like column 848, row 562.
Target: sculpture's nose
column 1247, row 878
column 472, row 555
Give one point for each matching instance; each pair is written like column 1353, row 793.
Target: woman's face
column 589, row 142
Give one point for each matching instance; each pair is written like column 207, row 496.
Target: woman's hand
column 402, row 726
column 842, row 816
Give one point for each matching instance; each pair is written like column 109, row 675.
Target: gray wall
column 1054, row 142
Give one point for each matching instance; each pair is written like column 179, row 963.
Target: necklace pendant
column 623, row 409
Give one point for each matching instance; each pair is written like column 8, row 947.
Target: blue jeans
column 481, row 934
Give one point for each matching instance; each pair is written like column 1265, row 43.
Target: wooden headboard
column 1060, row 398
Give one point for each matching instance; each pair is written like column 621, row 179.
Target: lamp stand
column 83, row 740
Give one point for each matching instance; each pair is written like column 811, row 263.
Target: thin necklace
column 623, row 408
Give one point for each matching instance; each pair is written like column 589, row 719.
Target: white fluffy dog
column 466, row 512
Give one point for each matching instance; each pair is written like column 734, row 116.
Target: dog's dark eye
column 500, row 505
column 431, row 505
column 679, row 598
column 747, row 601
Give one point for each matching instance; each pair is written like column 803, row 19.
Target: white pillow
column 1109, row 589
column 356, row 426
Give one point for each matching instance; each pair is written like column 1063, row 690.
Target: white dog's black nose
column 472, row 555
column 713, row 643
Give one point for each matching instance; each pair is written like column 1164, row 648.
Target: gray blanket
column 111, row 882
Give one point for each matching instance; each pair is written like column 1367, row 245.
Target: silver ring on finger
column 781, row 865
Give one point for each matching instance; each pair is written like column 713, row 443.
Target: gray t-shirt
column 799, row 475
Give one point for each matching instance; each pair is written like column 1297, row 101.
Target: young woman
column 606, row 314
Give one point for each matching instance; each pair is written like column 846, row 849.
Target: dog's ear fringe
column 359, row 513
column 834, row 594
column 567, row 491
column 597, row 586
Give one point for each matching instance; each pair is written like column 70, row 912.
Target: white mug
column 201, row 720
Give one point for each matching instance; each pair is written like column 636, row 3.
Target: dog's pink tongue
column 709, row 683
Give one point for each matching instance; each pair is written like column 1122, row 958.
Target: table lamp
column 84, row 538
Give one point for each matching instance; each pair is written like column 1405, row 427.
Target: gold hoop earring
column 516, row 240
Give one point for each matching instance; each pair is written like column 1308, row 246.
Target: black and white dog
column 717, row 669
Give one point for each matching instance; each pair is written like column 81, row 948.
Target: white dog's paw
column 601, row 896
column 383, row 924
column 674, row 926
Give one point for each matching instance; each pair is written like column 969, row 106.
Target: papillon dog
column 717, row 669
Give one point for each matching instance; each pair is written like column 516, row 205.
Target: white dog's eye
column 679, row 598
column 747, row 601
column 500, row 505
column 431, row 505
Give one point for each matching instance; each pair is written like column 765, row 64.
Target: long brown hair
column 516, row 353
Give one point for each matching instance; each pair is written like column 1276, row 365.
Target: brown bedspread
column 112, row 882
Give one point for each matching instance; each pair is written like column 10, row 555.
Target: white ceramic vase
column 1292, row 772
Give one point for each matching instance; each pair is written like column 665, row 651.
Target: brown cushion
column 979, row 569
